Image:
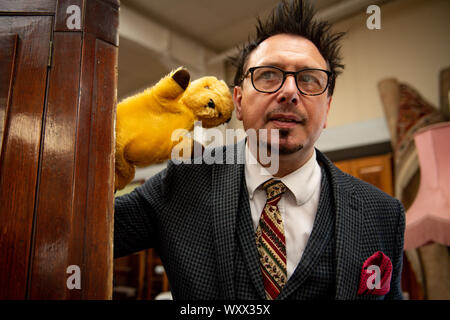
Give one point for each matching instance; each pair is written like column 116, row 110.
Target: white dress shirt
column 298, row 205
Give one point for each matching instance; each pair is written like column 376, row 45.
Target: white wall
column 412, row 45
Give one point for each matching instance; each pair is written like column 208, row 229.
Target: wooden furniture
column 139, row 276
column 156, row 278
column 376, row 170
column 129, row 272
column 58, row 62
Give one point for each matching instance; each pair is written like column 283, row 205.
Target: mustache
column 286, row 109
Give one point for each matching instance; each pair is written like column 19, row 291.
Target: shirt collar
column 301, row 183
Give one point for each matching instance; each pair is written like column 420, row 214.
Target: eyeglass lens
column 270, row 79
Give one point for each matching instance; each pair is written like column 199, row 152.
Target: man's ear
column 237, row 98
column 328, row 110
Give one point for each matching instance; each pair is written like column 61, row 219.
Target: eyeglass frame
column 285, row 74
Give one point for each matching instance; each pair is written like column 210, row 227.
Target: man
column 306, row 231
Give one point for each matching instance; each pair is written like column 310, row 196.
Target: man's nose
column 289, row 91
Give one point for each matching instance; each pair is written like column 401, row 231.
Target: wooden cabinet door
column 376, row 170
column 25, row 43
column 58, row 80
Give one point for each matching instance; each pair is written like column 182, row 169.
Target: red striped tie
column 270, row 241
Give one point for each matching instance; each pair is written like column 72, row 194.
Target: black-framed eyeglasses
column 270, row 79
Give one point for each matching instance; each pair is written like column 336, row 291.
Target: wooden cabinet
column 58, row 79
column 376, row 170
column 139, row 276
column 25, row 49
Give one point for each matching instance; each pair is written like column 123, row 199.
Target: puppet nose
column 211, row 104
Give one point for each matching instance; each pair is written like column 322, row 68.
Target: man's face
column 269, row 111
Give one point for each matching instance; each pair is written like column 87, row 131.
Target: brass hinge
column 50, row 55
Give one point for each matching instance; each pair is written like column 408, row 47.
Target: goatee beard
column 285, row 150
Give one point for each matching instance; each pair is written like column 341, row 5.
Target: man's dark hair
column 295, row 17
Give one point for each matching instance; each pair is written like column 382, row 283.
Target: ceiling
column 217, row 25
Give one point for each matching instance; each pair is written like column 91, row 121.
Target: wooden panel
column 20, row 156
column 375, row 170
column 345, row 166
column 156, row 282
column 8, row 43
column 94, row 160
column 99, row 205
column 83, row 121
column 27, row 6
column 55, row 245
column 93, row 193
column 102, row 19
column 371, row 173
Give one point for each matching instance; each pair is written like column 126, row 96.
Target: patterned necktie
column 270, row 241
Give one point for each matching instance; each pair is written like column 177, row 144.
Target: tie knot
column 274, row 188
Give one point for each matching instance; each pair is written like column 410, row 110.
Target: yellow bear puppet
column 145, row 122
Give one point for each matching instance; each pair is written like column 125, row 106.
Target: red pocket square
column 376, row 275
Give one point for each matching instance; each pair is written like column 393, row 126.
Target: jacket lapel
column 225, row 195
column 245, row 230
column 348, row 231
column 227, row 180
column 246, row 236
column 349, row 224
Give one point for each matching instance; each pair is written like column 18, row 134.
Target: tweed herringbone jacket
column 198, row 218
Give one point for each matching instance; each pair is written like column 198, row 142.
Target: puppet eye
column 206, row 87
column 211, row 104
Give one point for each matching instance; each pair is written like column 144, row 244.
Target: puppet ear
column 173, row 85
column 182, row 77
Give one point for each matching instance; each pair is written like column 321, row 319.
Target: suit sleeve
column 396, row 291
column 134, row 218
